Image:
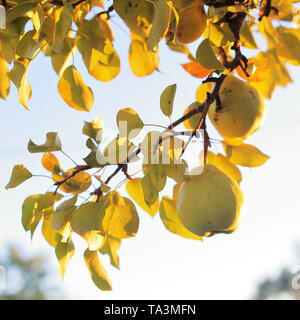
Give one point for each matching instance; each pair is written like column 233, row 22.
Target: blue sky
column 157, row 264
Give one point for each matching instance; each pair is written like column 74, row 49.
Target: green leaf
column 35, row 206
column 19, row 175
column 167, row 100
column 97, row 272
column 171, row 221
column 29, row 46
column 161, row 21
column 52, row 144
column 129, row 123
column 110, row 246
column 244, row 154
column 206, row 56
column 64, row 252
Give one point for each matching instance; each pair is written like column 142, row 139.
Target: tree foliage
column 244, row 49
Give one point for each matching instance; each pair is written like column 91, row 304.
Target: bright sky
column 157, row 264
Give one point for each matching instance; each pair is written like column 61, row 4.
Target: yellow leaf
column 161, row 21
column 121, row 219
column 111, row 246
column 18, row 76
column 135, row 190
column 224, row 164
column 63, row 22
column 244, row 154
column 50, row 162
column 19, row 175
column 78, row 183
column 64, row 252
column 4, row 79
column 94, row 129
column 97, row 272
column 23, row 9
column 142, row 61
column 74, row 91
column 203, row 90
column 51, row 235
column 170, row 219
column 61, row 59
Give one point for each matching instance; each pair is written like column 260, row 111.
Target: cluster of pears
column 210, row 202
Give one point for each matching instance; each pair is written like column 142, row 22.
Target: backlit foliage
column 243, row 53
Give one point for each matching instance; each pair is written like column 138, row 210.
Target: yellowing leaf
column 224, row 164
column 29, row 46
column 192, row 122
column 87, row 222
column 18, row 75
column 167, row 100
column 142, row 61
column 34, row 207
column 4, row 79
column 51, row 235
column 94, row 129
column 62, row 216
column 136, row 192
column 52, row 144
column 61, row 59
column 97, row 272
column 206, row 56
column 78, row 183
column 22, row 9
column 203, row 90
column 74, row 91
column 63, row 22
column 121, row 219
column 161, row 21
column 129, row 123
column 244, row 154
column 196, row 70
column 64, row 252
column 50, row 162
column 170, row 219
column 111, row 246
column 19, row 175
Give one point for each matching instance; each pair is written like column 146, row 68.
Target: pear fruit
column 242, row 111
column 192, row 20
column 210, row 202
